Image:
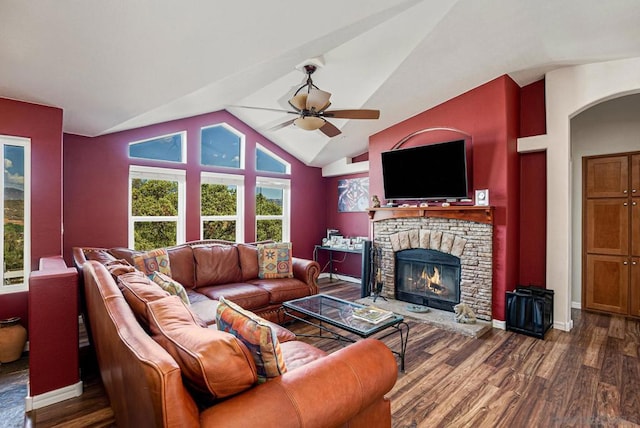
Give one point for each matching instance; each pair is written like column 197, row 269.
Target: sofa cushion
column 118, row 267
column 99, row 254
column 216, row 264
column 182, row 265
column 124, row 253
column 281, row 290
column 138, row 290
column 211, row 361
column 246, row 295
column 256, row 334
column 171, row 286
column 152, row 261
column 274, row 260
column 248, row 255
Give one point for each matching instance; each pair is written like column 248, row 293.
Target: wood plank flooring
column 589, row 377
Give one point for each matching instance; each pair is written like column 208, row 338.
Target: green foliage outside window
column 154, row 198
column 219, row 229
column 269, row 230
column 154, row 234
column 218, row 199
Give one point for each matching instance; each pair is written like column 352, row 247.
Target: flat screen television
column 435, row 171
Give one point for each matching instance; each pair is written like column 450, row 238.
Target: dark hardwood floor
column 589, row 377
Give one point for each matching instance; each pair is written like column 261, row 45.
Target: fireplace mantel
column 459, row 212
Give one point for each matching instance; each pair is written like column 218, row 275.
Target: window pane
column 269, row 230
column 218, row 199
column 266, row 162
column 269, row 201
column 13, row 192
column 220, row 147
column 154, row 197
column 154, row 234
column 219, row 229
column 167, row 148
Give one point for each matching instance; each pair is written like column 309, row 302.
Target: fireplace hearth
column 428, row 277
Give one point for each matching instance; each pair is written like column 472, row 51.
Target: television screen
column 435, row 171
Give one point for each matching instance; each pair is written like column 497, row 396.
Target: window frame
column 237, row 180
column 285, row 185
column 26, row 144
column 183, row 148
column 156, row 173
column 242, row 154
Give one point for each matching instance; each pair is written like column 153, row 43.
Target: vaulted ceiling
column 116, row 65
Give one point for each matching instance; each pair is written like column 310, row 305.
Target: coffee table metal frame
column 338, row 313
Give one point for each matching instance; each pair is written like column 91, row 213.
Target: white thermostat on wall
column 482, row 197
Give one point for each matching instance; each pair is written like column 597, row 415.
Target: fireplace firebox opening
column 428, row 277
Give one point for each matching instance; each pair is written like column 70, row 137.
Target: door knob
column 625, row 204
column 625, row 262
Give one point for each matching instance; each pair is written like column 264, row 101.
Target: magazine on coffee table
column 372, row 314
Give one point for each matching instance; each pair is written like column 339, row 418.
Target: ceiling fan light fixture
column 318, row 99
column 299, row 101
column 309, row 123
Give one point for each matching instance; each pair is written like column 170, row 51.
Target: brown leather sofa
column 146, row 387
column 213, row 268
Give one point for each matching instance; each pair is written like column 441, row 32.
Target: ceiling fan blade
column 299, row 102
column 353, row 114
column 330, row 130
column 266, row 109
column 318, row 100
column 281, row 125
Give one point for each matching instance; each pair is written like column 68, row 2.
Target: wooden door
column 635, row 227
column 607, row 226
column 607, row 283
column 607, row 177
column 634, row 288
column 635, row 175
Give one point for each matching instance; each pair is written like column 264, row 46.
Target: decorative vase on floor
column 13, row 336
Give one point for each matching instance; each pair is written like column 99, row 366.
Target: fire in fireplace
column 428, row 277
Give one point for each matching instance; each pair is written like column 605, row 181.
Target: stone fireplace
column 461, row 248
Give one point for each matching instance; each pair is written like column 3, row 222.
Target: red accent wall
column 533, row 182
column 43, row 125
column 96, row 185
column 533, row 114
column 350, row 224
column 490, row 113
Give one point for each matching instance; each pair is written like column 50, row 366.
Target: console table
column 365, row 266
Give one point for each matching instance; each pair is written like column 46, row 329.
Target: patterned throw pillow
column 274, row 260
column 153, row 261
column 171, row 286
column 256, row 334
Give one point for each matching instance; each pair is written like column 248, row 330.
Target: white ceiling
column 116, row 65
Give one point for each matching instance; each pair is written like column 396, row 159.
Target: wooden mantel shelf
column 459, row 212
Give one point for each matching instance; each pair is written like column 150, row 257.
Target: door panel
column 607, row 226
column 607, row 283
column 635, row 175
column 634, row 295
column 635, row 227
column 607, row 177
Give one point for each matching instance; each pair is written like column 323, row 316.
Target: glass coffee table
column 328, row 311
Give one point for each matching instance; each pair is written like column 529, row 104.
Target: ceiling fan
column 310, row 104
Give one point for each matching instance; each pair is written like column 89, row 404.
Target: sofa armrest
column 350, row 381
column 307, row 271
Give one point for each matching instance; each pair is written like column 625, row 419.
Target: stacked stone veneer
column 470, row 241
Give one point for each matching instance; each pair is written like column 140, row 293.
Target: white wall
column 610, row 127
column 569, row 91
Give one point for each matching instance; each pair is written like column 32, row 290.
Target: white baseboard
column 576, row 305
column 346, row 278
column 502, row 325
column 564, row 326
column 52, row 397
